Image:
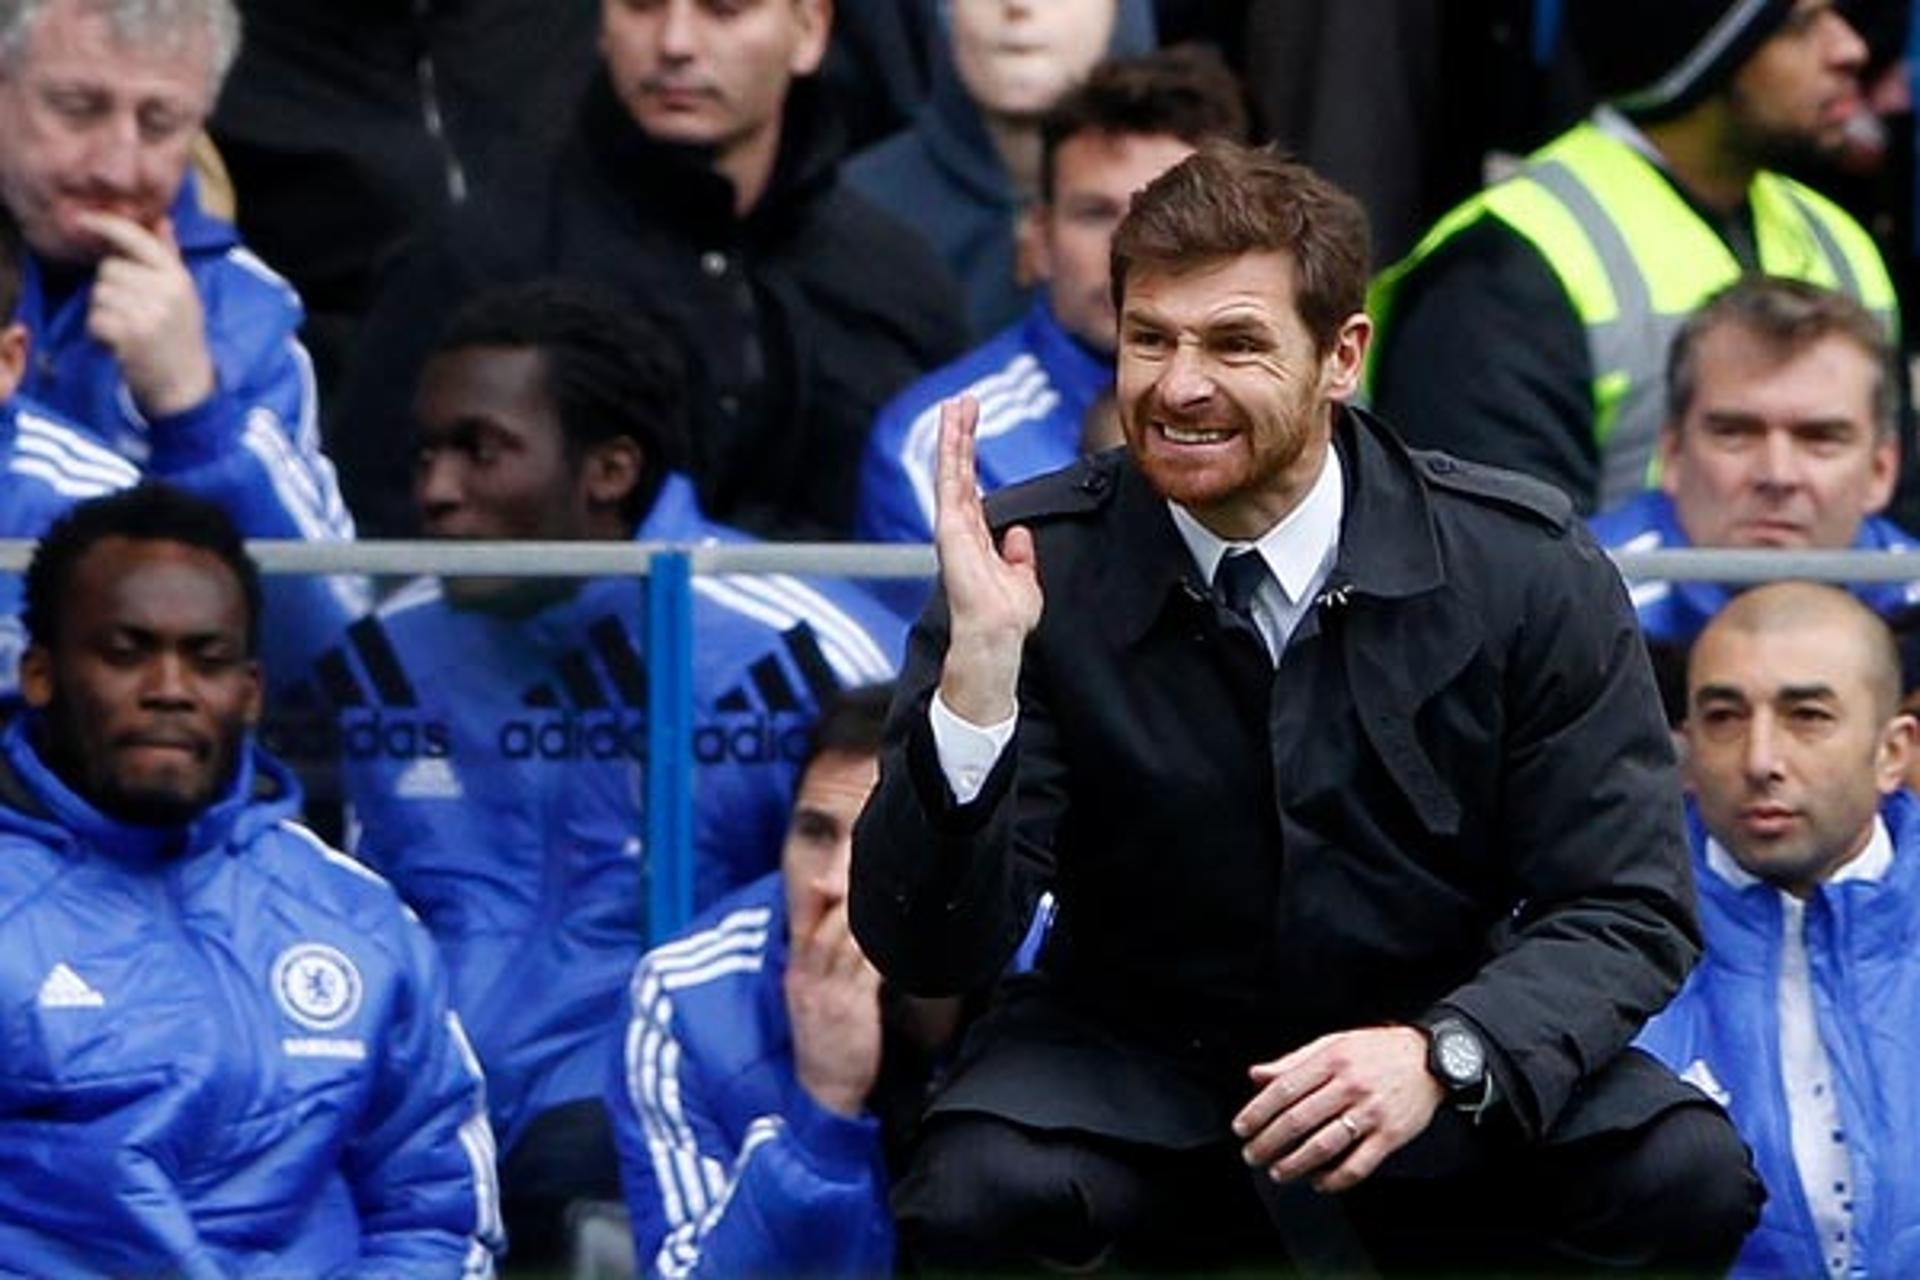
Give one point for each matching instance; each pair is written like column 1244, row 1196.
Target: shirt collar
column 1296, row 549
column 1871, row 863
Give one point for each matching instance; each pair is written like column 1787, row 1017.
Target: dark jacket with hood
column 798, row 320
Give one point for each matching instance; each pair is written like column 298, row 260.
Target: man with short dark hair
column 1366, row 857
column 1035, row 381
column 230, row 1046
column 1779, row 432
column 700, row 183
column 494, row 730
column 152, row 325
column 760, row 1042
column 1807, row 853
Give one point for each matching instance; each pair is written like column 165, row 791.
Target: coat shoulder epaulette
column 1076, row 490
column 1510, row 490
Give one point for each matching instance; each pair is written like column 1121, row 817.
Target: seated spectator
column 700, row 182
column 1530, row 326
column 759, row 1045
column 1130, row 122
column 494, row 730
column 153, row 326
column 1800, row 1017
column 967, row 168
column 228, row 1046
column 1779, row 432
column 46, row 463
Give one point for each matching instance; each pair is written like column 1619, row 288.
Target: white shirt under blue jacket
column 224, row 1052
column 730, row 1166
column 1676, row 612
column 1855, row 966
column 1035, row 383
column 252, row 446
column 495, row 766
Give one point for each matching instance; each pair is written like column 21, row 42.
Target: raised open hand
column 993, row 593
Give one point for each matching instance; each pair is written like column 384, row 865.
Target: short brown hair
column 1788, row 316
column 1185, row 92
column 1226, row 200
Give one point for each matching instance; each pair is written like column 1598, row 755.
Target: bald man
column 1802, row 1017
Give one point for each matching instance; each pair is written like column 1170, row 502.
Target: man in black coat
column 700, row 180
column 1367, row 858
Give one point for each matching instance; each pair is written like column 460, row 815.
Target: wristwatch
column 1457, row 1057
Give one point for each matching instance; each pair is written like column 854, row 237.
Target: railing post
column 669, row 834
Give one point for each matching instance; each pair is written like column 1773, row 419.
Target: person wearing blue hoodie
column 493, row 731
column 1799, row 1019
column 962, row 174
column 1779, row 433
column 228, row 1047
column 1037, row 381
column 153, row 326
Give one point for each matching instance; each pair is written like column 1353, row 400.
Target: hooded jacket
column 496, row 770
column 225, row 1050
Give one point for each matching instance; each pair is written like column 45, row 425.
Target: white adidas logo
column 65, row 989
column 429, row 778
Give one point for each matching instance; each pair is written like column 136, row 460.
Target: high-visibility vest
column 1635, row 260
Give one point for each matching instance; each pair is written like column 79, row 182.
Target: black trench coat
column 1457, row 789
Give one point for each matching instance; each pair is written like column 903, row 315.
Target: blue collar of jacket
column 34, row 798
column 1691, row 605
column 675, row 516
column 1387, row 544
column 1742, row 923
column 1076, row 369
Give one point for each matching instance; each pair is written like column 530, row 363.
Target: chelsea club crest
column 317, row 986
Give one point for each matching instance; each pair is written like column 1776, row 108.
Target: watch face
column 1460, row 1057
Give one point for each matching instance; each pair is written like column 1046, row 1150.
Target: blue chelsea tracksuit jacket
column 730, row 1167
column 1723, row 1032
column 46, row 465
column 495, row 768
column 1677, row 612
column 224, row 1051
column 1035, row 383
column 253, row 447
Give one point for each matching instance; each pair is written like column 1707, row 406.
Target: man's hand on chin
column 146, row 310
column 1335, row 1108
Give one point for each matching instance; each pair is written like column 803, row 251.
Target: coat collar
column 679, row 182
column 1387, row 544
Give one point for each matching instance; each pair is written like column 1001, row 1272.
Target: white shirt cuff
column 967, row 752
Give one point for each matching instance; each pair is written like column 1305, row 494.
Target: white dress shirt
column 1819, row 1138
column 1300, row 551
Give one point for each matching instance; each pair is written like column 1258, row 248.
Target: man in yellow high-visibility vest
column 1530, row 326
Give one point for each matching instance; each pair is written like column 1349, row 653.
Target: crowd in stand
column 1229, row 860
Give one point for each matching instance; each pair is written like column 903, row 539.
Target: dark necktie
column 1235, row 580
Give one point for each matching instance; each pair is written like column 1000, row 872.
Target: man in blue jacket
column 1037, row 380
column 228, row 1048
column 748, row 1095
column 46, row 463
column 1799, row 1019
column 1779, row 433
column 493, row 731
column 153, row 326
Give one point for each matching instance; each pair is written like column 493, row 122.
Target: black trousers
column 1677, row 1193
column 566, row 1154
